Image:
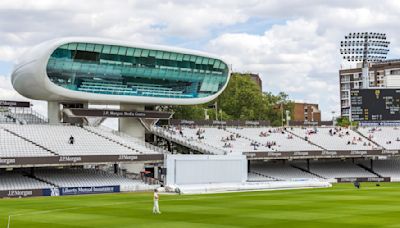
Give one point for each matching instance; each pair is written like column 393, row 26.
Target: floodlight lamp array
column 364, row 47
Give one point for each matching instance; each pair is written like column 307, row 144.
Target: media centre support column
column 55, row 108
column 54, row 112
column 131, row 126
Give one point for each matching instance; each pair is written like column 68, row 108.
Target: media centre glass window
column 118, row 70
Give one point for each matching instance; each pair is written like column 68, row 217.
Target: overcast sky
column 293, row 45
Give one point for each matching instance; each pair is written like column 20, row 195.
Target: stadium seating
column 14, row 146
column 223, row 139
column 50, row 178
column 321, row 170
column 55, row 138
column 281, row 171
column 4, row 118
column 284, row 141
column 136, row 89
column 17, row 181
column 385, row 168
column 21, row 115
column 190, row 141
column 387, row 137
column 27, row 118
column 256, row 177
column 215, row 140
column 269, row 139
column 89, row 178
column 337, row 169
column 334, row 138
column 128, row 141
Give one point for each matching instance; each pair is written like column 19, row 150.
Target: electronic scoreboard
column 375, row 104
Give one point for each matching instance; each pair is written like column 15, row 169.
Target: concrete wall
column 131, row 126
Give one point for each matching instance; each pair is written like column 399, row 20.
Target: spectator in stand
column 71, row 140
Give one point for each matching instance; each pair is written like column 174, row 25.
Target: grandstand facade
column 61, row 155
column 47, row 164
column 324, row 153
column 37, row 159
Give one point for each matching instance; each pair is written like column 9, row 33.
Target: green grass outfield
column 341, row 206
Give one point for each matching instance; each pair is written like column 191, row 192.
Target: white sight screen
column 208, row 171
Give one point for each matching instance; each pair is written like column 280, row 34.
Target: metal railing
column 22, row 116
column 205, row 147
column 135, row 140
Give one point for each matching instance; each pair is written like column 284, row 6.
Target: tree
column 190, row 112
column 343, row 122
column 241, row 100
column 277, row 105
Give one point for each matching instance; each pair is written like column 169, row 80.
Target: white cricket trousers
column 156, row 209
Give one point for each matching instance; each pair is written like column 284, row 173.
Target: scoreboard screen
column 375, row 104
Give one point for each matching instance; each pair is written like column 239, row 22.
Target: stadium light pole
column 364, row 47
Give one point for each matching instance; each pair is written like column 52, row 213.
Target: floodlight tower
column 364, row 47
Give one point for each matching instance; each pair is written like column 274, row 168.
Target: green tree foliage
column 345, row 122
column 192, row 112
column 241, row 100
column 278, row 104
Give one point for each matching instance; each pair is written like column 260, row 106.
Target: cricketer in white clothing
column 156, row 209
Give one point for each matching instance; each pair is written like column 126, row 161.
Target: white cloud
column 10, row 53
column 7, row 92
column 297, row 51
column 291, row 57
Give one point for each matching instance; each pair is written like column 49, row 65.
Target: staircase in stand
column 369, row 170
column 307, row 171
column 42, row 180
